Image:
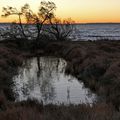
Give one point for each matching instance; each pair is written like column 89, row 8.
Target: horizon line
column 76, row 23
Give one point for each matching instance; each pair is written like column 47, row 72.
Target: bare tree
column 13, row 11
column 45, row 12
column 60, row 29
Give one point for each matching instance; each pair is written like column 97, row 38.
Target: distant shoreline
column 74, row 23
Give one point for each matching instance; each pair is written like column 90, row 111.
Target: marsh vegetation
column 94, row 63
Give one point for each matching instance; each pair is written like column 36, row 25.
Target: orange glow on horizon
column 81, row 11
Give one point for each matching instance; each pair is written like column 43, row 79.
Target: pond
column 44, row 79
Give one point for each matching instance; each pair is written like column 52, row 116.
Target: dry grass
column 10, row 60
column 33, row 110
column 95, row 63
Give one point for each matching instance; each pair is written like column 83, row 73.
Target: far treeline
column 42, row 23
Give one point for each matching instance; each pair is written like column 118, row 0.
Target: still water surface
column 49, row 83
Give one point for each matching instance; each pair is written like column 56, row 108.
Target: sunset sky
column 82, row 11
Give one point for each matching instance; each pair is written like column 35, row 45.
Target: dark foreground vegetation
column 96, row 63
column 32, row 110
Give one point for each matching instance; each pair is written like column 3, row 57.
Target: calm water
column 49, row 83
column 96, row 32
column 84, row 31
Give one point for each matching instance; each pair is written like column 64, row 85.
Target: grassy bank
column 10, row 60
column 97, row 64
column 32, row 110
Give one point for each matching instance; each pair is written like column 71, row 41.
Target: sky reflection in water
column 49, row 84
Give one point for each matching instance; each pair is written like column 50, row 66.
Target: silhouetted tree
column 60, row 29
column 13, row 11
column 45, row 12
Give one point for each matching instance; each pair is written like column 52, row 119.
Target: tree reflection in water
column 44, row 79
